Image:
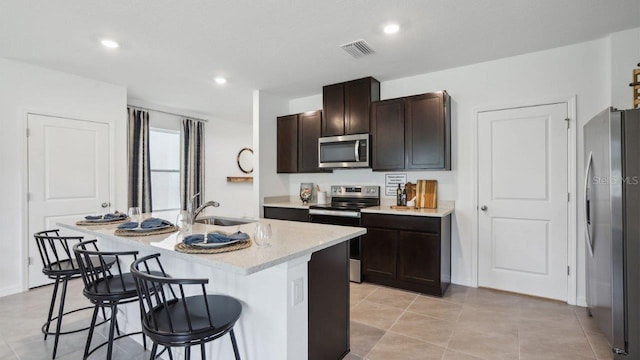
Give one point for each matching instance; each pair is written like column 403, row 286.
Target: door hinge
column 27, row 132
column 29, row 260
column 28, row 196
column 568, row 197
column 568, row 270
column 568, row 122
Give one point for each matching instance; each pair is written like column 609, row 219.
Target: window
column 164, row 154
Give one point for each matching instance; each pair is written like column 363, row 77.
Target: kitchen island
column 282, row 288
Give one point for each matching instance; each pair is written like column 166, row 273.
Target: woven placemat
column 93, row 223
column 184, row 248
column 125, row 232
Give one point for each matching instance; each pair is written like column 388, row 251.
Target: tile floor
column 386, row 324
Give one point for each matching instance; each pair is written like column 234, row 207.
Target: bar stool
column 106, row 287
column 176, row 320
column 59, row 265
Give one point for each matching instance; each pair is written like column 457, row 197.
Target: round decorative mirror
column 245, row 160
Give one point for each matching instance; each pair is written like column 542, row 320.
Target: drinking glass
column 262, row 235
column 135, row 214
column 183, row 222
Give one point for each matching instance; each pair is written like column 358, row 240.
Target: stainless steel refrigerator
column 612, row 216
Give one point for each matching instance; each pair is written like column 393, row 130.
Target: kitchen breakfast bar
column 294, row 293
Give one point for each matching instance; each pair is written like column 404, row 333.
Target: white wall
column 625, row 56
column 266, row 108
column 579, row 70
column 26, row 88
column 223, row 140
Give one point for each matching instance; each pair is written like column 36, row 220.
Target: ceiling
column 170, row 50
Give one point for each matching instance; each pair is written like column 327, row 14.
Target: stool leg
column 112, row 326
column 235, row 345
column 202, row 352
column 144, row 338
column 154, row 349
column 60, row 313
column 90, row 335
column 53, row 302
column 187, row 353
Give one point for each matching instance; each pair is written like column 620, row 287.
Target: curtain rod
column 166, row 112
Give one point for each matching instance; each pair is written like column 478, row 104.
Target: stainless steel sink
column 221, row 221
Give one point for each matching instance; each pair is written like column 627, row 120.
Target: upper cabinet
column 412, row 133
column 346, row 106
column 298, row 142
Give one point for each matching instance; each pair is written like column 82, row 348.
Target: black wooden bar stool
column 59, row 265
column 106, row 287
column 177, row 320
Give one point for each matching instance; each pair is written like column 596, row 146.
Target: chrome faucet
column 193, row 213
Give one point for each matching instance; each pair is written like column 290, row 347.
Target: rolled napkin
column 215, row 237
column 128, row 225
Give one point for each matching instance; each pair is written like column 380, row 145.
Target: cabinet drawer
column 286, row 214
column 402, row 222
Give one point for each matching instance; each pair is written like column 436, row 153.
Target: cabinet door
column 387, row 128
column 333, row 110
column 357, row 99
column 419, row 258
column 427, row 132
column 287, row 144
column 379, row 248
column 309, row 130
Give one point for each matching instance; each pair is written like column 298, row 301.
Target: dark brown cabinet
column 280, row 213
column 412, row 133
column 407, row 252
column 298, row 142
column 346, row 106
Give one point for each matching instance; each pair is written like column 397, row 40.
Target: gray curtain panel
column 192, row 162
column 139, row 164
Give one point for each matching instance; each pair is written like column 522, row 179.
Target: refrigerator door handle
column 587, row 205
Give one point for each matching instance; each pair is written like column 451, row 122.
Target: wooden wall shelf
column 247, row 179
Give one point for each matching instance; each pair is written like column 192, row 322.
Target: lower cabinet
column 407, row 252
column 291, row 214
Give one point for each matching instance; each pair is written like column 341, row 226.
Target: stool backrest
column 156, row 290
column 98, row 266
column 55, row 250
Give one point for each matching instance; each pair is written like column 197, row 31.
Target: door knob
column 105, row 204
column 483, row 207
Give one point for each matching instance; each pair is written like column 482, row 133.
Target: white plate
column 215, row 245
column 147, row 230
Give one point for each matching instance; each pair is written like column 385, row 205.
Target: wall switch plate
column 298, row 291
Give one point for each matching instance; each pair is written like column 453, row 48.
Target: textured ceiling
column 170, row 50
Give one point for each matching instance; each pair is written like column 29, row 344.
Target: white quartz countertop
column 290, row 240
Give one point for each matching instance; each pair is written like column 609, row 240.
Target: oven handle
column 350, row 214
column 357, row 150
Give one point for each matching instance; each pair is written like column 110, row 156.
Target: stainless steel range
column 344, row 209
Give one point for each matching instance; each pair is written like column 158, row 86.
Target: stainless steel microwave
column 347, row 151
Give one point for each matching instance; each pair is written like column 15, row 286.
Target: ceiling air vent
column 358, row 48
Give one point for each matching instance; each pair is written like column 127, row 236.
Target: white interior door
column 523, row 200
column 68, row 176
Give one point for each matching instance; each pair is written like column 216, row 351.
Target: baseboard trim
column 581, row 301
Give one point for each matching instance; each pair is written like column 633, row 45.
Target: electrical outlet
column 298, row 291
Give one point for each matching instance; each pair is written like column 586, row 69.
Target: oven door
column 346, row 151
column 350, row 218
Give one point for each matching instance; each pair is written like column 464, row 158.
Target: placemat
column 184, row 248
column 125, row 232
column 91, row 223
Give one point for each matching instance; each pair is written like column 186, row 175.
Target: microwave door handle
column 357, row 150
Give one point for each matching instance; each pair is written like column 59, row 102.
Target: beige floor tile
column 432, row 330
column 392, row 297
column 398, row 347
column 360, row 291
column 440, row 309
column 600, row 346
column 456, row 294
column 454, row 355
column 485, row 345
column 586, row 321
column 363, row 338
column 351, row 356
column 552, row 342
column 488, row 321
column 376, row 315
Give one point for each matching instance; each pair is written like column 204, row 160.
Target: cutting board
column 426, row 194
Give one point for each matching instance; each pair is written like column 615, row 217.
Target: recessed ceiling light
column 108, row 43
column 220, row 80
column 391, row 28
